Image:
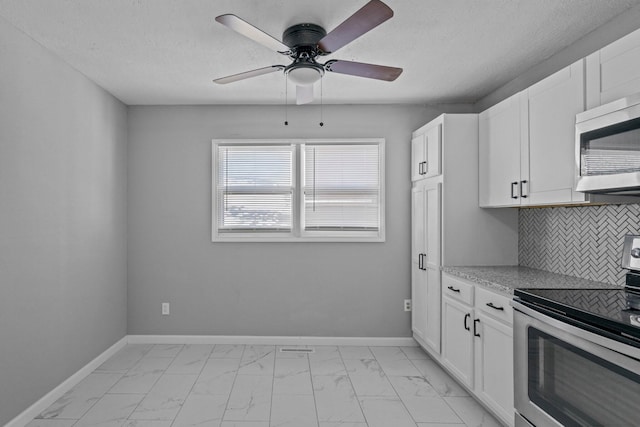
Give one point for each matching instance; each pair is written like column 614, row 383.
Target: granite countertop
column 507, row 278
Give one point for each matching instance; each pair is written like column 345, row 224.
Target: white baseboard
column 47, row 400
column 36, row 409
column 271, row 340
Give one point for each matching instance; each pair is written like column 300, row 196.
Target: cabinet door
column 552, row 107
column 457, row 343
column 614, row 71
column 433, row 141
column 418, row 157
column 494, row 365
column 499, row 156
column 433, row 198
column 418, row 249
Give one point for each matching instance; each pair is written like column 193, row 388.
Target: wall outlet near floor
column 407, row 305
column 165, row 308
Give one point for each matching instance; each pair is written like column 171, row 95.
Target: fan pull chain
column 321, row 122
column 286, row 98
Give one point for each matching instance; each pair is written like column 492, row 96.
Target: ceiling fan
column 304, row 43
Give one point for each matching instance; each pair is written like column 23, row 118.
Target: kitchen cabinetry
column 425, row 289
column 613, row 72
column 457, row 321
column 527, row 144
column 477, row 343
column 425, row 153
column 448, row 227
column 500, row 141
column 549, row 133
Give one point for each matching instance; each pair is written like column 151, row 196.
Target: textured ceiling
column 168, row 51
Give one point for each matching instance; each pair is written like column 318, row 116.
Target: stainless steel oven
column 570, row 373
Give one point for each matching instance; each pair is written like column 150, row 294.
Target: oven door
column 566, row 376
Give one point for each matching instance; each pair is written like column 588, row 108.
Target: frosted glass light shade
column 304, row 76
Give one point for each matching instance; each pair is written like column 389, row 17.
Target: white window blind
column 255, row 188
column 341, row 187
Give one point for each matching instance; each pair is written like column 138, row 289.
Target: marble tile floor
column 261, row 386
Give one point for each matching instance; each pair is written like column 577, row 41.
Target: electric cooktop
column 614, row 310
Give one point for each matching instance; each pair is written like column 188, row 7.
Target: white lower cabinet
column 477, row 343
column 494, row 364
column 457, row 342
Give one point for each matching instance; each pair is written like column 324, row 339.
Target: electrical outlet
column 407, row 305
column 165, row 308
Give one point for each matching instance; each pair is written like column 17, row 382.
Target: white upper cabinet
column 613, row 72
column 425, row 152
column 552, row 106
column 527, row 144
column 499, row 142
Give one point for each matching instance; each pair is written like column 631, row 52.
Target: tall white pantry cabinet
column 448, row 226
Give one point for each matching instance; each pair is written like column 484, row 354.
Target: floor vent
column 296, row 350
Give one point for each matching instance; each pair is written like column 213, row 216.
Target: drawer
column 494, row 304
column 457, row 289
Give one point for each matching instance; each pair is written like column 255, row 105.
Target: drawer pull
column 490, row 304
column 451, row 288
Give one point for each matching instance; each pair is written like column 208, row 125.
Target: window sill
column 293, row 239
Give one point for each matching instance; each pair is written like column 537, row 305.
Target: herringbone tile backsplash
column 582, row 241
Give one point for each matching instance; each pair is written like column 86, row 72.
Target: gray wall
column 294, row 289
column 62, row 221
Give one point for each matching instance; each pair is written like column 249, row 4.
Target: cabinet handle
column 522, row 193
column 451, row 288
column 466, row 317
column 420, row 168
column 425, row 169
column 422, row 257
column 475, row 328
column 514, row 185
column 419, row 261
column 490, row 304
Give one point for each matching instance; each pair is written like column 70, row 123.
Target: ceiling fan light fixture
column 304, row 75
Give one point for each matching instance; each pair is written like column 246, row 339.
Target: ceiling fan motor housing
column 303, row 36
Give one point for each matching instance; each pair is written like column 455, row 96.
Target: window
column 298, row 190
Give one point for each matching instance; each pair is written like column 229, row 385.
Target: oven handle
column 559, row 320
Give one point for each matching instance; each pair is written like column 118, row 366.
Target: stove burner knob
column 635, row 252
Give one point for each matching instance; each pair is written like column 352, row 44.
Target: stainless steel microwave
column 608, row 148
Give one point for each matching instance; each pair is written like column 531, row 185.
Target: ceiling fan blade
column 367, row 18
column 304, row 94
column 243, row 27
column 360, row 69
column 248, row 74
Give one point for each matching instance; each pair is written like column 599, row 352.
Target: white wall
column 308, row 289
column 62, row 221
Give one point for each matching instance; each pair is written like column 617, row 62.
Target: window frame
column 297, row 234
